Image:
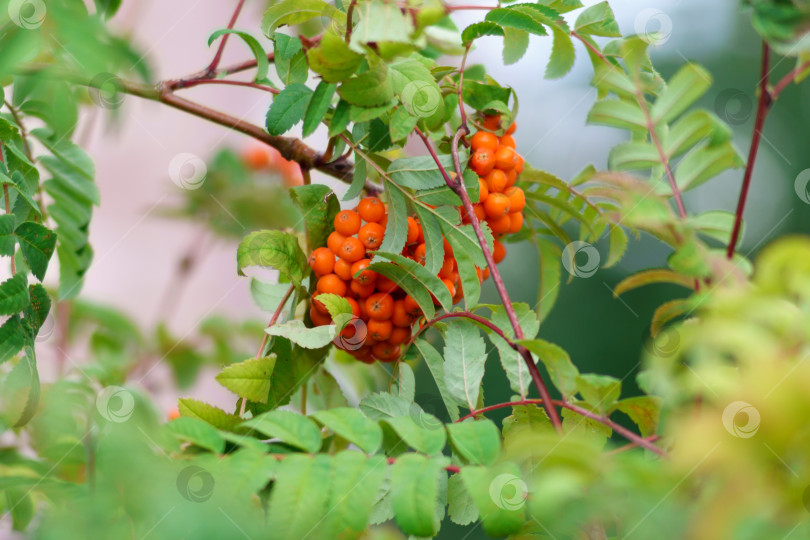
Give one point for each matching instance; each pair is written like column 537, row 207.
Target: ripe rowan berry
column 380, row 330
column 496, row 205
column 385, row 351
column 318, row 319
column 500, row 225
column 482, row 161
column 486, row 274
column 355, row 306
column 343, row 269
column 399, row 336
column 483, row 190
column 511, row 178
column 492, row 121
column 331, row 284
column 412, row 307
column 334, row 241
column 413, row 231
column 386, row 285
column 480, row 213
column 362, row 291
column 322, row 261
column 450, row 286
column 400, row 317
column 517, row 199
column 258, row 157
column 419, row 254
column 515, row 222
column 519, row 165
column 347, row 222
column 371, row 209
column 448, row 266
column 505, row 158
column 484, row 139
column 352, row 250
column 380, row 306
column 421, row 238
column 364, row 277
column 507, row 140
column 371, row 235
column 511, row 129
column 496, row 181
column 498, row 251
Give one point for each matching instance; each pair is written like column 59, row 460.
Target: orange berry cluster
column 384, row 314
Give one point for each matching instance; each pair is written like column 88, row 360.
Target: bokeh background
column 139, row 247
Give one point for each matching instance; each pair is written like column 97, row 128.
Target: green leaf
column 648, row 277
column 37, row 244
column 319, row 207
column 292, row 71
column 249, row 379
column 420, row 172
column 7, row 240
column 464, row 357
column 434, row 241
column 402, row 123
column 520, row 17
column 512, row 361
column 480, row 29
column 599, row 391
column 285, row 46
column 435, row 364
column 587, row 428
column 550, row 263
column 37, row 311
column 274, row 249
column 208, row 413
column 382, row 405
column 355, row 481
column 690, row 260
column 633, row 155
column 197, row 432
column 292, row 12
column 429, row 280
column 479, row 95
column 701, row 164
column 295, row 368
column 668, row 311
column 12, row 338
column 288, row 108
column 643, row 410
column 692, row 128
column 460, row 506
column 684, row 88
column 477, row 441
column 333, row 60
column 291, row 427
column 715, row 224
column 352, row 425
column 414, row 492
column 310, row 338
column 562, row 371
column 597, row 20
column 466, row 271
column 617, row 113
column 14, row 295
column 318, row 105
column 618, row 245
column 370, row 88
column 500, row 494
column 262, row 63
column 419, row 430
column 379, row 22
column 408, row 283
column 299, row 498
column 562, row 55
column 515, row 44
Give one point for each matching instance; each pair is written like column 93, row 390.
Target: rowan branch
column 218, row 56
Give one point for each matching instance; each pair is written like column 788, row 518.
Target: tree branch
column 198, row 82
column 763, row 106
column 212, row 67
column 457, row 185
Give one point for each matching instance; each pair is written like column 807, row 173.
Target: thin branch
column 461, row 190
column 461, row 90
column 23, row 132
column 273, row 320
column 188, row 81
column 763, row 106
column 8, row 211
column 218, row 56
column 349, row 15
column 787, row 79
column 197, row 82
column 590, row 46
column 465, row 315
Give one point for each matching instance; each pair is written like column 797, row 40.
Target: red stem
column 8, row 210
column 197, row 82
column 349, row 15
column 212, row 67
column 787, row 79
column 460, row 189
column 763, row 106
column 590, row 46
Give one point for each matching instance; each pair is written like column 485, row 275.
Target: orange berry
column 421, row 238
column 483, row 190
column 448, row 266
column 448, row 249
column 364, row 277
column 419, row 254
column 386, row 285
column 516, row 222
column 380, row 330
column 450, row 286
column 352, row 250
column 496, row 181
column 399, row 336
column 343, row 269
column 486, row 273
column 385, row 351
column 331, row 284
column 362, row 291
column 258, row 157
column 355, row 306
column 484, row 139
column 400, row 317
column 334, row 241
column 380, row 306
column 480, row 213
column 496, row 205
column 318, row 304
column 413, row 231
column 498, row 251
column 517, row 199
column 482, row 161
column 505, row 158
column 511, row 129
column 511, row 178
column 371, row 209
column 347, row 222
column 500, row 225
column 322, row 261
column 371, row 235
column 318, row 319
column 508, row 140
column 412, row 307
column 492, row 121
column 519, row 166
